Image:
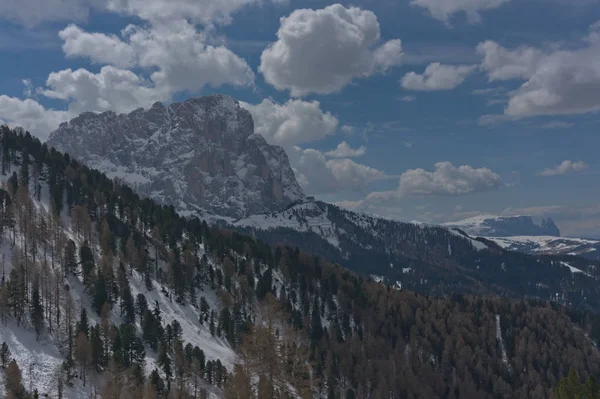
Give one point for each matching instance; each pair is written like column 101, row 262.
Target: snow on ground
column 574, row 269
column 501, row 341
column 478, row 245
column 38, row 361
column 214, row 348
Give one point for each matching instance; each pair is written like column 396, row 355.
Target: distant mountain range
column 506, row 226
column 520, row 233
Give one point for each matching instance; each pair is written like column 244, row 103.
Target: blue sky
column 439, row 109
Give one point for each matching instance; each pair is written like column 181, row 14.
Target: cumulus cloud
column 344, row 150
column 184, row 59
column 445, row 180
column 318, row 175
column 448, row 179
column 565, row 167
column 443, row 10
column 292, row 123
column 110, row 89
column 321, row 51
column 98, row 47
column 437, row 77
column 503, row 64
column 557, row 81
column 30, row 115
column 181, row 55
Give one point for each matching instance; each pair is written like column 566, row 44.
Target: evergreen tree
column 37, row 311
column 141, row 304
column 100, row 292
column 86, row 258
column 70, row 264
column 5, row 355
column 127, row 306
column 83, row 324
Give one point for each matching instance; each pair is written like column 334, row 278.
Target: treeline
column 301, row 325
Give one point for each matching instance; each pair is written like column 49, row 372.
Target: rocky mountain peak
column 200, row 155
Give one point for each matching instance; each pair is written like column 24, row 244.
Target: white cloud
column 110, row 89
column 443, row 10
column 344, row 150
column 437, row 77
column 30, row 115
column 321, row 51
column 181, row 55
column 408, row 99
column 565, row 167
column 318, row 175
column 292, row 123
column 185, row 61
column 448, row 179
column 503, row 64
column 34, row 12
column 445, row 180
column 557, row 81
column 204, row 11
column 98, row 47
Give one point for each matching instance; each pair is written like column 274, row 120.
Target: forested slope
column 139, row 302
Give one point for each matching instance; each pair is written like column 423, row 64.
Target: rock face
column 506, row 226
column 198, row 155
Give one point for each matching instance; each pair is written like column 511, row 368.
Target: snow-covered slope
column 198, row 155
column 548, row 245
column 505, row 226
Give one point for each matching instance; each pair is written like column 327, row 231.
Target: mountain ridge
column 200, row 155
column 505, row 226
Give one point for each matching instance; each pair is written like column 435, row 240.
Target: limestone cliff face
column 198, row 155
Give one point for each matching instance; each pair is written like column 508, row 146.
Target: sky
column 428, row 110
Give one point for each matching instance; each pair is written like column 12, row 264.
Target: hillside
column 506, row 226
column 430, row 260
column 223, row 314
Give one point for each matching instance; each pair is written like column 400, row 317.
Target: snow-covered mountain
column 200, row 155
column 520, row 233
column 505, row 226
column 548, row 245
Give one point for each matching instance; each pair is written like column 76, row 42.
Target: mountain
column 108, row 294
column 430, row 260
column 519, row 233
column 155, row 146
column 547, row 245
column 505, row 226
column 200, row 155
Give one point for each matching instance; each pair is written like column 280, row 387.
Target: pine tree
column 87, row 263
column 37, row 311
column 141, row 304
column 100, row 292
column 70, row 263
column 83, row 324
column 5, row 355
column 127, row 306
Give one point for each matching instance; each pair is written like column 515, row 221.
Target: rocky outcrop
column 200, row 155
